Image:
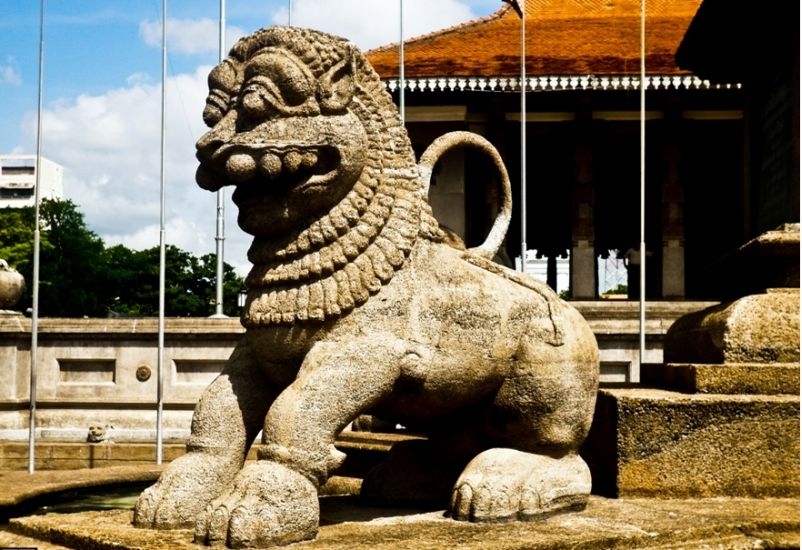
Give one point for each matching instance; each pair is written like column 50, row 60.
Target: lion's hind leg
column 226, row 421
column 534, row 427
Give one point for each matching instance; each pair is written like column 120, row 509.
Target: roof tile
column 564, row 37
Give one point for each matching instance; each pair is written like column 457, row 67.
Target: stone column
column 673, row 252
column 583, row 252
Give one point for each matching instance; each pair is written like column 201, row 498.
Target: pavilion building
column 582, row 137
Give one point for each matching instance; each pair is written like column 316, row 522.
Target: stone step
column 657, row 443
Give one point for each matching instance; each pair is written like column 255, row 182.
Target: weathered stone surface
column 355, row 305
column 618, row 523
column 761, row 328
column 729, row 378
column 666, row 444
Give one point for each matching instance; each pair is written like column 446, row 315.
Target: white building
column 538, row 268
column 18, row 180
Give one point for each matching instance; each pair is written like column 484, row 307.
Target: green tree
column 189, row 283
column 16, row 238
column 73, row 281
column 16, row 244
column 79, row 276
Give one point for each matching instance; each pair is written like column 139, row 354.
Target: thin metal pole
column 642, row 274
column 162, row 253
column 36, row 243
column 522, row 5
column 401, row 82
column 221, row 197
column 289, row 14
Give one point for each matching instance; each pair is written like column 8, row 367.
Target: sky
column 102, row 94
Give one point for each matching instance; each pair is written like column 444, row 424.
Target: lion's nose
column 216, row 137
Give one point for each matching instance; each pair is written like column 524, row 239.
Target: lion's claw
column 505, row 485
column 268, row 504
column 183, row 490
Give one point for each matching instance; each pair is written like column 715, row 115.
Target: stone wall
column 104, row 371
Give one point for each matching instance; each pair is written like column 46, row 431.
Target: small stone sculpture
column 356, row 306
column 99, row 433
column 12, row 285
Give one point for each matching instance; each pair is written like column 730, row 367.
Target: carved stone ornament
column 12, row 285
column 143, row 373
column 357, row 306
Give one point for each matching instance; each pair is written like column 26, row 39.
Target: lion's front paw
column 505, row 485
column 183, row 490
column 269, row 504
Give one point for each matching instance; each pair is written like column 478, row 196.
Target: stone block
column 761, row 328
column 730, row 378
column 656, row 443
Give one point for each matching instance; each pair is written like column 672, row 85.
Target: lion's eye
column 277, row 82
column 260, row 97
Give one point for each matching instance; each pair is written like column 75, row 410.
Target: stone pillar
column 583, row 251
column 673, row 252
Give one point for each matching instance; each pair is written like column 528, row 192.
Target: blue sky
column 102, row 89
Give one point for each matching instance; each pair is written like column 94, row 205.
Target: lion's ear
column 336, row 86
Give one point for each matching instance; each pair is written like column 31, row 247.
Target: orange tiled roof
column 563, row 37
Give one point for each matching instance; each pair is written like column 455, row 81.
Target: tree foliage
column 80, row 277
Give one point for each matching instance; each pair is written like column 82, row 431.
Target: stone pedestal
column 725, row 421
column 667, row 444
column 12, row 285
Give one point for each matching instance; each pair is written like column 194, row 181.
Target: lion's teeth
column 308, row 160
column 240, row 167
column 292, row 161
column 270, row 165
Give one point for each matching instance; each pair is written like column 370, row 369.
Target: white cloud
column 375, row 23
column 109, row 146
column 189, row 36
column 138, row 79
column 9, row 74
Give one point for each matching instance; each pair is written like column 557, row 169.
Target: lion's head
column 325, row 175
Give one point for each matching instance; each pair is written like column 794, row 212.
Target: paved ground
column 606, row 523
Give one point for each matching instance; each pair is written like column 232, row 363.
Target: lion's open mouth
column 278, row 167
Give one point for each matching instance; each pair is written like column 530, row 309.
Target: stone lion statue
column 355, row 306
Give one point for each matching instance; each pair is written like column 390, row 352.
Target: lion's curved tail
column 452, row 140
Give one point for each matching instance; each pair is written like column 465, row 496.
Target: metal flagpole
column 401, row 103
column 289, row 14
column 642, row 274
column 162, row 254
column 36, row 238
column 220, row 236
column 522, row 5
